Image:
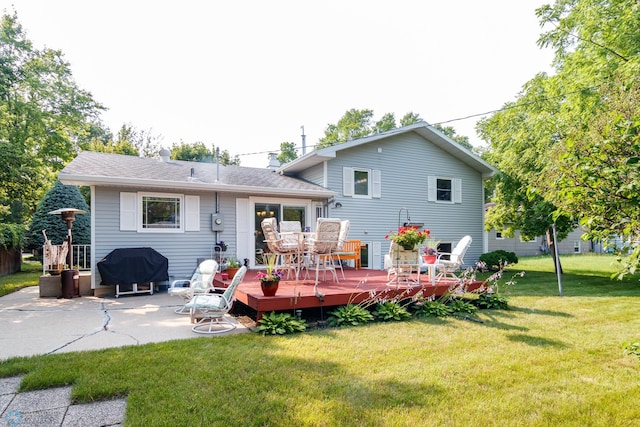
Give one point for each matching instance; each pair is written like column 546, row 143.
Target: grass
column 27, row 276
column 549, row 360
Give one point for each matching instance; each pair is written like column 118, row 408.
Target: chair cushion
column 178, row 291
column 208, row 301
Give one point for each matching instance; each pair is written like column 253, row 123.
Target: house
column 572, row 244
column 413, row 174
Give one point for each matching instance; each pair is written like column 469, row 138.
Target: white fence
column 81, row 258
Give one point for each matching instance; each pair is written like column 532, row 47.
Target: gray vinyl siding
column 538, row 247
column 182, row 249
column 314, row 174
column 405, row 162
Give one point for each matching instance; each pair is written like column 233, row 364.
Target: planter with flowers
column 430, row 251
column 408, row 237
column 270, row 278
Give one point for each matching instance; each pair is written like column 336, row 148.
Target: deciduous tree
column 43, row 114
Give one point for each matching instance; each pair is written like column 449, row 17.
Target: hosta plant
column 350, row 315
column 280, row 324
column 425, row 308
column 391, row 311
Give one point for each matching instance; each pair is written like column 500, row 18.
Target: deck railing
column 81, row 258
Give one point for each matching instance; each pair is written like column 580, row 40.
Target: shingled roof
column 105, row 169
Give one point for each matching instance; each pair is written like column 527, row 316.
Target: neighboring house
column 181, row 209
column 572, row 244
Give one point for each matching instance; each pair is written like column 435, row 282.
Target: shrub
column 632, row 348
column 391, row 310
column 280, row 324
column 457, row 305
column 11, row 236
column 350, row 315
column 492, row 301
column 427, row 308
column 495, row 260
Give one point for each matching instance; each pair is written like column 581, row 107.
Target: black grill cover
column 133, row 265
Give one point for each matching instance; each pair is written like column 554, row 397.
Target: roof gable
column 425, row 130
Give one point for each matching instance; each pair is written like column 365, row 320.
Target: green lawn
column 549, row 360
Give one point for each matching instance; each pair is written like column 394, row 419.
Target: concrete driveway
column 31, row 325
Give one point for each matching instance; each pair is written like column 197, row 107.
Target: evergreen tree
column 60, row 196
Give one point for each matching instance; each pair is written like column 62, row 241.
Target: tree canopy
column 563, row 139
column 356, row 124
column 43, row 114
column 198, row 152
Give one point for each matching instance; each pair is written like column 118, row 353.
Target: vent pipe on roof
column 217, row 164
column 165, row 155
column 273, row 161
column 304, row 141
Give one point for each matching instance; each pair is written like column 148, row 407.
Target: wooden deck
column 357, row 286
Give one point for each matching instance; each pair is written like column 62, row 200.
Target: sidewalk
column 35, row 326
column 53, row 407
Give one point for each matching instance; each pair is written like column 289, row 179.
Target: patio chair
column 322, row 246
column 342, row 241
column 201, row 281
column 287, row 251
column 401, row 264
column 210, row 310
column 450, row 262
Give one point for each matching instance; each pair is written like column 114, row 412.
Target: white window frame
column 499, row 235
column 432, row 189
column 369, row 178
column 181, row 219
column 374, row 183
column 577, row 248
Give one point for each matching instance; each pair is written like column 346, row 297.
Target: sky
column 248, row 75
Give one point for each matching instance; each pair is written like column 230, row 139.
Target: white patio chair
column 201, row 281
column 342, row 241
column 288, row 251
column 448, row 267
column 210, row 310
column 322, row 246
column 401, row 264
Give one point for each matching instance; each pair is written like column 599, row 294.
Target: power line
column 471, row 116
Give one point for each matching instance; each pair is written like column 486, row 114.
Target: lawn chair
column 322, row 246
column 401, row 264
column 287, row 250
column 201, row 281
column 448, row 267
column 209, row 310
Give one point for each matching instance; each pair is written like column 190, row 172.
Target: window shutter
column 431, row 189
column 457, row 190
column 192, row 213
column 347, row 182
column 128, row 209
column 377, row 184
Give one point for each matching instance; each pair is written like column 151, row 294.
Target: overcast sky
column 246, row 75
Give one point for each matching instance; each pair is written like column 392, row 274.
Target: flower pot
column 231, row 271
column 269, row 287
column 429, row 259
column 56, row 270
